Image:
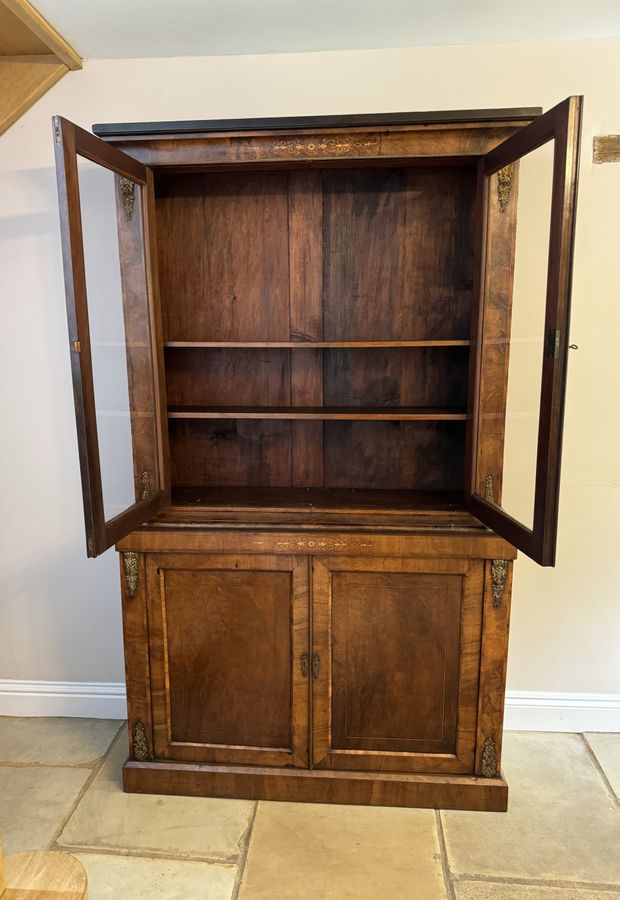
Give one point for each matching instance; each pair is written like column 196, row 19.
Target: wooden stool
column 41, row 875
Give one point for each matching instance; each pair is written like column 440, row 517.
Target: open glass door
column 521, row 341
column 105, row 199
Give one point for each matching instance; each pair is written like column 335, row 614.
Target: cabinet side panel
column 136, row 647
column 493, row 662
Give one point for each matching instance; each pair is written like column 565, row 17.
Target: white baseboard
column 525, row 710
column 544, row 711
column 75, row 699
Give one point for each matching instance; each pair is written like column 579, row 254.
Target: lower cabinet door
column 228, row 643
column 395, row 665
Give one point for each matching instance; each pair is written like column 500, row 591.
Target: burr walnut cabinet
column 319, row 370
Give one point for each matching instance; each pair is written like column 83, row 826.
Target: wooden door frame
column 562, row 124
column 71, row 141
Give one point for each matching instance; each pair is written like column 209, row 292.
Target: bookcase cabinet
column 296, row 350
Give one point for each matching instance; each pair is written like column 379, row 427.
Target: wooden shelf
column 385, row 413
column 316, row 498
column 310, row 345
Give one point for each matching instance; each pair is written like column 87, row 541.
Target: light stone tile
column 54, row 742
column 300, row 851
column 136, row 878
column 606, row 748
column 33, row 803
column 480, row 890
column 198, row 827
column 561, row 823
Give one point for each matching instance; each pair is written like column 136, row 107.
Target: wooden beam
column 23, row 80
column 40, row 30
column 606, row 148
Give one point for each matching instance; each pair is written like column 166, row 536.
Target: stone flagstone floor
column 60, row 788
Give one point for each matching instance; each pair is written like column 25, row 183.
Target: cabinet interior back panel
column 337, row 255
column 398, row 263
column 224, row 258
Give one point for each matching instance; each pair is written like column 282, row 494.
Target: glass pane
column 514, row 339
column 119, row 336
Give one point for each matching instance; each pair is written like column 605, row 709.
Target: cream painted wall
column 59, row 613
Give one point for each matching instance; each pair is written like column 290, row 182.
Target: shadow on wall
column 60, row 611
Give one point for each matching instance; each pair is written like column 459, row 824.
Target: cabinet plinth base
column 315, row 786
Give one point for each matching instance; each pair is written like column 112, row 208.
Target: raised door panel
column 227, row 636
column 396, row 649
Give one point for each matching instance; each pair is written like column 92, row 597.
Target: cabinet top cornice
column 123, row 130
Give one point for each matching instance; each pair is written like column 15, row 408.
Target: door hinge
column 316, row 665
column 57, row 131
column 489, row 759
column 552, row 349
column 140, row 746
column 499, row 571
column 304, row 664
column 131, row 564
column 146, row 488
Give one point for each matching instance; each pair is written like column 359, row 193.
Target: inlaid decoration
column 310, row 544
column 326, row 146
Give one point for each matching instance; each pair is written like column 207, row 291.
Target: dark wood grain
column 226, row 636
column 399, row 643
column 418, row 413
column 318, row 786
column 313, row 345
column 383, row 624
column 226, row 377
column 420, row 376
column 390, row 455
column 223, row 257
column 230, row 452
